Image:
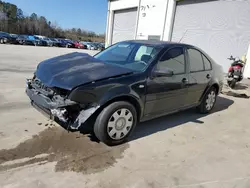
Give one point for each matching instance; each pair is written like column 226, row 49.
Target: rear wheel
column 232, row 83
column 115, row 123
column 1, row 41
column 208, row 101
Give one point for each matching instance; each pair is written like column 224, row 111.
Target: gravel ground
column 181, row 150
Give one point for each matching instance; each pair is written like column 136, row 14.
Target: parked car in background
column 93, row 46
column 55, row 42
column 7, row 38
column 61, row 42
column 40, row 42
column 129, row 82
column 48, row 41
column 13, row 38
column 14, row 35
column 79, row 45
column 70, row 43
column 28, row 40
column 21, row 39
column 100, row 46
column 66, row 43
column 44, row 41
column 34, row 40
column 3, row 37
column 87, row 44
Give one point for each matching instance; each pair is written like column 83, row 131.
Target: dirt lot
column 182, row 150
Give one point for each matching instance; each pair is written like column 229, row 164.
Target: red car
column 79, row 45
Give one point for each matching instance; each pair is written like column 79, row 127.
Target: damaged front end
column 56, row 105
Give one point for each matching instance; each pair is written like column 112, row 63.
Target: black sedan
column 7, row 38
column 127, row 83
column 55, row 42
column 28, row 40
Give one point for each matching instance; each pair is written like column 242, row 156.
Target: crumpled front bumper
column 58, row 110
column 46, row 102
column 52, row 106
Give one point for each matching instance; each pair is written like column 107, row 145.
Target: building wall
column 170, row 14
column 113, row 6
column 155, row 18
column 123, row 4
column 152, row 17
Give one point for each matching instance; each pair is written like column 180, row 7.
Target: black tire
column 102, row 120
column 203, row 107
column 233, row 83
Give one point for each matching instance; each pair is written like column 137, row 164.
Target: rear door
column 200, row 73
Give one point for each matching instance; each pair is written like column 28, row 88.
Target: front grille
column 48, row 91
column 39, row 86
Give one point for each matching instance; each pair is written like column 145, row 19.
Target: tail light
column 230, row 69
column 237, row 67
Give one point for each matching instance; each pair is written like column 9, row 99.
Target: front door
column 166, row 93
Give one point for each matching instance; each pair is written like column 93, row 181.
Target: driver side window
column 173, row 59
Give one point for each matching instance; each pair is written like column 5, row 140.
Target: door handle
column 208, row 76
column 184, row 80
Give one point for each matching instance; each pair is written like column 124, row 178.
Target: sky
column 89, row 15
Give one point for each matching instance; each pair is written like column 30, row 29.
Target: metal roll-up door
column 220, row 27
column 124, row 25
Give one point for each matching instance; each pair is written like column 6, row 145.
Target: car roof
column 157, row 43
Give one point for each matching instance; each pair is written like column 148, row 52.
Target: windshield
column 134, row 56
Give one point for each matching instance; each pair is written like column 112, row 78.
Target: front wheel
column 1, row 41
column 115, row 123
column 208, row 101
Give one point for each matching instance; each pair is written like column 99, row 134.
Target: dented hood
column 74, row 69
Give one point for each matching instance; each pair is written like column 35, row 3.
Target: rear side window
column 207, row 63
column 196, row 61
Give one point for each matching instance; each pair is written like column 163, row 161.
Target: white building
column 220, row 27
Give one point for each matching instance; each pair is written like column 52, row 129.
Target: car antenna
column 183, row 35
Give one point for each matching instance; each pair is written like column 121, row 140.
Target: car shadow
column 159, row 124
column 166, row 122
column 240, row 86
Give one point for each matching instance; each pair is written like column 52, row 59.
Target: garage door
column 124, row 25
column 221, row 28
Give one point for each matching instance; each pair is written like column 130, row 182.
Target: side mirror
column 163, row 72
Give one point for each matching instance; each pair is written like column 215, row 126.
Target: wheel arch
column 215, row 85
column 126, row 98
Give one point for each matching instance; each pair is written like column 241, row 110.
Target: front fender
column 117, row 92
column 98, row 96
